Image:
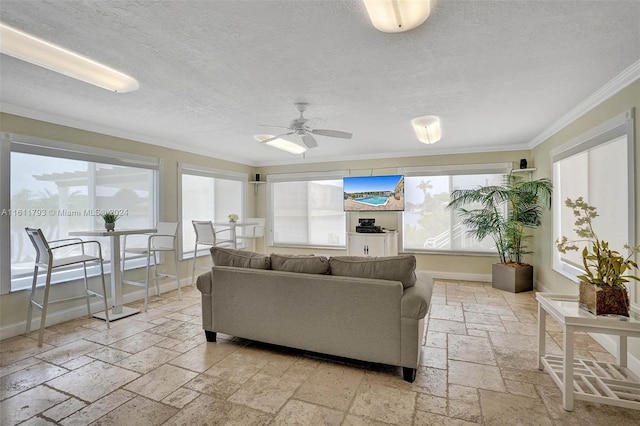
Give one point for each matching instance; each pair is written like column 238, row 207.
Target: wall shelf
column 529, row 170
column 256, row 185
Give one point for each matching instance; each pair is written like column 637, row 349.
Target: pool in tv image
column 373, row 193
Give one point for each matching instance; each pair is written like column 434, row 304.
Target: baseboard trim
column 16, row 329
column 460, row 276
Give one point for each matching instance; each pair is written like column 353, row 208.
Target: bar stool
column 46, row 258
column 164, row 240
column 206, row 235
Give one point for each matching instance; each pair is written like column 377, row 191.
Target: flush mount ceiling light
column 55, row 58
column 394, row 16
column 427, row 128
column 280, row 143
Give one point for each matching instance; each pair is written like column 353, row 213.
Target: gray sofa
column 369, row 309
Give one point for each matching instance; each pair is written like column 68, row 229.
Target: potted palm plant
column 602, row 288
column 505, row 213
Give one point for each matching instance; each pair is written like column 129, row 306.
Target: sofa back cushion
column 240, row 258
column 306, row 264
column 397, row 268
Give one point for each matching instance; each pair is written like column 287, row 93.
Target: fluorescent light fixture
column 55, row 58
column 427, row 128
column 394, row 16
column 282, row 144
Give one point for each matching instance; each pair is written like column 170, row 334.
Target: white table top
column 116, row 232
column 565, row 308
column 230, row 224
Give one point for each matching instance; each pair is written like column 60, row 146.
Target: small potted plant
column 603, row 285
column 233, row 217
column 110, row 220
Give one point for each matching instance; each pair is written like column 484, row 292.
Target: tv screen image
column 373, row 193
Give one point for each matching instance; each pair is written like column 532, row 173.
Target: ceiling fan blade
column 277, row 137
column 309, row 141
column 332, row 133
column 277, row 127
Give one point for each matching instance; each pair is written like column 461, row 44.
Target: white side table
column 595, row 381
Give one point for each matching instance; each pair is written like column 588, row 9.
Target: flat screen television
column 373, row 193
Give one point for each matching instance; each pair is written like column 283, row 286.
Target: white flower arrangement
column 233, row 217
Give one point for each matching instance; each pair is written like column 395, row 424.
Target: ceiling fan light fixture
column 427, row 128
column 281, row 143
column 39, row 52
column 394, row 16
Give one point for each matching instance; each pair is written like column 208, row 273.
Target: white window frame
column 214, row 173
column 53, row 148
column 299, row 177
column 444, row 170
column 619, row 126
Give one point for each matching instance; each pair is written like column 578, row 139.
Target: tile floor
column 478, row 367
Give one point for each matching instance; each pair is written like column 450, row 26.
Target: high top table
column 588, row 380
column 231, row 226
column 118, row 311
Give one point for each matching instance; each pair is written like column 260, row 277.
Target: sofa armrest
column 416, row 300
column 204, row 283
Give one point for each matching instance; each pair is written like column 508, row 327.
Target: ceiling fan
column 300, row 126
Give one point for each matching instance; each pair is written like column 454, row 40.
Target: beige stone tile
column 445, row 326
column 180, row 397
column 177, row 330
column 534, row 377
column 522, row 328
column 93, row 381
column 384, row 403
column 109, row 355
column 471, row 349
column 37, row 421
column 19, row 348
column 476, row 333
column 519, row 388
column 433, row 357
column 207, row 410
column 463, row 394
column 301, row 370
column 77, row 362
column 239, row 366
column 265, row 393
column 466, row 411
column 118, row 331
column 138, row 411
column 425, row 418
column 451, row 313
column 64, row 409
column 501, row 409
column 203, row 356
column 516, row 358
column 212, row 385
column 436, row 339
column 475, row 375
column 161, row 382
column 487, row 309
column 27, row 378
column 68, row 352
column 98, row 409
column 351, row 420
column 525, row 343
column 431, row 404
column 168, row 343
column 331, row 386
column 190, row 343
column 481, row 318
column 18, row 365
column 431, row 381
column 27, row 404
column 148, row 359
column 64, row 336
column 137, row 342
column 302, row 413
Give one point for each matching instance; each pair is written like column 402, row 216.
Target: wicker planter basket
column 603, row 300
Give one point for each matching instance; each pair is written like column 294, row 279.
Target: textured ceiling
column 498, row 73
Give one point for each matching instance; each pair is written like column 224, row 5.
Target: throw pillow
column 306, row 264
column 398, row 268
column 240, row 258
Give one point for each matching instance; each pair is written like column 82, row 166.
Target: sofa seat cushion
column 306, row 264
column 396, row 268
column 240, row 258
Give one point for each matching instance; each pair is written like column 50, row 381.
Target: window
column 597, row 166
column 428, row 225
column 307, row 209
column 61, row 187
column 208, row 194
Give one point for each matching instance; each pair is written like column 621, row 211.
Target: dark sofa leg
column 211, row 335
column 409, row 374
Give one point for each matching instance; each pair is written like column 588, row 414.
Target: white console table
column 594, row 381
column 372, row 244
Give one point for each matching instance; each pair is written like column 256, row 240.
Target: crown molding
column 622, row 80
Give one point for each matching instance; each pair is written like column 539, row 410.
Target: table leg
column 621, row 356
column 117, row 310
column 567, row 369
column 542, row 329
